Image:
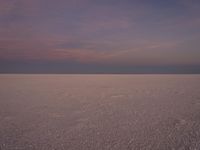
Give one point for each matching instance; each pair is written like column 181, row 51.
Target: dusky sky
column 99, row 36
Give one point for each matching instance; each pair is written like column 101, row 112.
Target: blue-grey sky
column 100, row 36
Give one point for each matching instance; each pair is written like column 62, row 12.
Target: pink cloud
column 148, row 53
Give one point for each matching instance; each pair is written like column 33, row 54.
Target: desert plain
column 99, row 112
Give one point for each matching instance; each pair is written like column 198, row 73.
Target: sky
column 99, row 36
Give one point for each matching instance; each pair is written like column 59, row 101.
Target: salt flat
column 99, row 112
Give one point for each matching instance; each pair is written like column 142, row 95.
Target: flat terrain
column 99, row 112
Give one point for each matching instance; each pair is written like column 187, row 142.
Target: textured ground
column 99, row 112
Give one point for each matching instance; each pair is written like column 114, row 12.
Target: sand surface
column 99, row 112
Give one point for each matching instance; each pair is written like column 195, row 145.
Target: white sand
column 99, row 112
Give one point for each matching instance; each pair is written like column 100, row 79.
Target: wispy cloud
column 103, row 32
